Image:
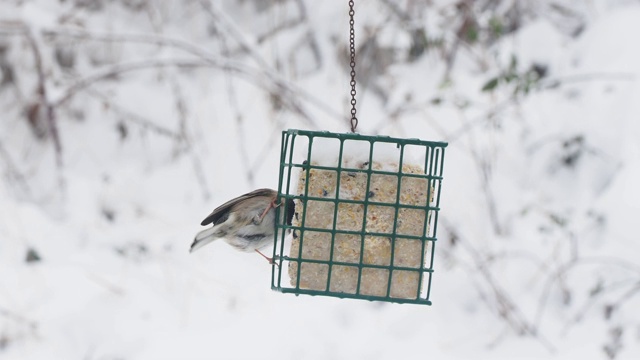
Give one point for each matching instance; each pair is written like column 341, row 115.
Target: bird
column 246, row 222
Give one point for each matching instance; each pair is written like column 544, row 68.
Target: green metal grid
column 433, row 167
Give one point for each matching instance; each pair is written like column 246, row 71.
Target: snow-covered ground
column 537, row 251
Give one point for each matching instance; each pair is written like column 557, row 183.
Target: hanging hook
column 352, row 63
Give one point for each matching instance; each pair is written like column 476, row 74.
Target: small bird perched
column 246, row 222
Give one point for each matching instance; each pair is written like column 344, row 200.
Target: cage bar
column 366, row 216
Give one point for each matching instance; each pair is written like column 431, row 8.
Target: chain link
column 352, row 63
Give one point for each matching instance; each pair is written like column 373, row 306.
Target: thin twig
column 498, row 299
column 13, row 173
column 181, row 107
column 121, row 68
column 43, row 98
column 18, row 318
column 576, row 78
column 276, row 83
column 593, row 300
column 284, row 25
column 479, row 120
column 154, row 39
column 238, row 119
column 136, row 119
column 571, row 265
column 200, row 176
column 289, row 92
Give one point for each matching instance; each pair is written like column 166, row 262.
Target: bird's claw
column 270, row 260
column 272, row 205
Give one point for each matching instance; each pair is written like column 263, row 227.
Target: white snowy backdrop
column 124, row 122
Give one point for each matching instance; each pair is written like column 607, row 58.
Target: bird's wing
column 221, row 213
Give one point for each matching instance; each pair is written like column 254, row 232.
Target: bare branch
column 284, row 25
column 18, row 318
column 185, row 139
column 43, row 99
column 134, row 38
column 498, row 298
column 13, row 173
column 136, row 119
column 283, row 88
column 119, row 69
column 274, row 83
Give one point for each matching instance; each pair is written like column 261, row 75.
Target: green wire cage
column 365, row 221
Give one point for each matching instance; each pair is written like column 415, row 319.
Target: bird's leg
column 270, row 260
column 272, row 205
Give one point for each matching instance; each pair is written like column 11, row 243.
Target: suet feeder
column 365, row 219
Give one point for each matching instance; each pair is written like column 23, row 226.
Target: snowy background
column 123, row 123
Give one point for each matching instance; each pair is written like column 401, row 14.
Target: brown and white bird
column 246, row 222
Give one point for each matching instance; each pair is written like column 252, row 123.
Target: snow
column 537, row 233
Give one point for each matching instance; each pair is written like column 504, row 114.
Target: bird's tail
column 204, row 237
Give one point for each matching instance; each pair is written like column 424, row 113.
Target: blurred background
column 123, row 123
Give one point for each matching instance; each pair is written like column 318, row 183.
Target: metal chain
column 352, row 49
